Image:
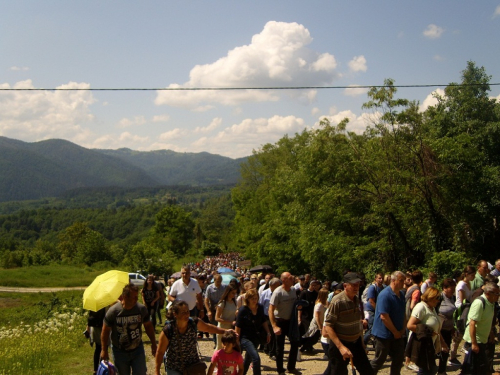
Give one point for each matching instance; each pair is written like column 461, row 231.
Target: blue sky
column 158, row 44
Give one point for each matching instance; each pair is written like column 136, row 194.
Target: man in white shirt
column 188, row 290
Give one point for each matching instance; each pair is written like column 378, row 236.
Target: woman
column 250, row 324
column 463, row 292
column 313, row 334
column 150, row 295
column 179, row 340
column 94, row 328
column 225, row 313
column 241, row 298
column 446, row 309
column 426, row 341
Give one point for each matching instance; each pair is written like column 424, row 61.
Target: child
column 227, row 360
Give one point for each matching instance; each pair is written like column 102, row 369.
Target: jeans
column 152, row 312
column 368, row 333
column 326, row 348
column 251, row 355
column 475, row 363
column 134, row 360
column 338, row 365
column 393, row 347
column 280, row 347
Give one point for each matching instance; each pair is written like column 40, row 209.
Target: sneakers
column 412, row 367
column 454, row 362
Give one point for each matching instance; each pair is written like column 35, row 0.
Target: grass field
column 41, row 333
column 48, row 276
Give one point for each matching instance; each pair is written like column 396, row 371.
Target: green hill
column 52, row 167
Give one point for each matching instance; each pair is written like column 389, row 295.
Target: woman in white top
column 462, row 292
column 225, row 314
column 425, row 313
column 463, row 287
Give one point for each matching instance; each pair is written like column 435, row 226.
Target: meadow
column 41, row 333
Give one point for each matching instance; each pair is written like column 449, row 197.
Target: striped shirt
column 344, row 316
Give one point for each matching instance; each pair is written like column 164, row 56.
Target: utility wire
column 245, row 88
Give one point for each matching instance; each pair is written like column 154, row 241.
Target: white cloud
column 496, row 97
column 161, row 118
column 37, row 115
column 240, row 139
column 357, row 124
column 497, row 11
column 314, row 111
column 433, row 31
column 353, row 90
column 358, row 64
column 438, row 58
column 173, row 134
column 214, row 124
column 277, row 56
column 135, row 121
column 431, row 100
column 19, row 68
column 114, row 141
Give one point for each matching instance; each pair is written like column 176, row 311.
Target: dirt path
column 310, row 364
column 14, row 289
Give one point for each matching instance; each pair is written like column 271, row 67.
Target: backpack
column 460, row 315
column 364, row 295
column 408, row 300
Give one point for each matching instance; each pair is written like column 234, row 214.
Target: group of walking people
column 401, row 316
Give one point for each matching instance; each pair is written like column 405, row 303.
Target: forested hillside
column 49, row 168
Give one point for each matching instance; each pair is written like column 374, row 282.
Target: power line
column 245, row 88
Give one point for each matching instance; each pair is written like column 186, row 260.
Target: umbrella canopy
column 261, row 268
column 104, row 290
column 178, row 275
column 224, row 270
column 226, row 278
column 232, row 273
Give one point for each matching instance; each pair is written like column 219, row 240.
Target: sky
column 225, row 44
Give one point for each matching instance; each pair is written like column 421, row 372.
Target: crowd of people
column 404, row 316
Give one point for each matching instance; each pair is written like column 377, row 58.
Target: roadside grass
column 49, row 276
column 41, row 333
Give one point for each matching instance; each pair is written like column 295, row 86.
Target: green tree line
column 415, row 189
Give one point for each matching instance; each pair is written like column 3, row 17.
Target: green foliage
column 446, row 263
column 174, row 230
column 412, row 187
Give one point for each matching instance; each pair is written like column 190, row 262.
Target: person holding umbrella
column 124, row 321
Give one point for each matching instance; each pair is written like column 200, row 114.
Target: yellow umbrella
column 104, row 290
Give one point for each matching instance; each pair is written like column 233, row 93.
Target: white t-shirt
column 187, row 293
column 462, row 285
column 427, row 316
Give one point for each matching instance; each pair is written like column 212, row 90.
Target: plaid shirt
column 344, row 316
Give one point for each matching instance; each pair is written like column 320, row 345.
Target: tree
column 174, row 228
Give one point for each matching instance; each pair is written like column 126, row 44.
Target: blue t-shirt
column 389, row 303
column 373, row 292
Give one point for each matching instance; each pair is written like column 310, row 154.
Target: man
column 306, row 314
column 496, row 271
column 213, row 295
column 300, row 284
column 264, row 300
column 389, row 325
column 344, row 329
column 372, row 294
column 476, row 337
column 267, row 278
column 280, row 314
column 187, row 289
column 482, row 271
column 124, row 321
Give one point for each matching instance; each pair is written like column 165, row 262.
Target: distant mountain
column 49, row 168
column 175, row 168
